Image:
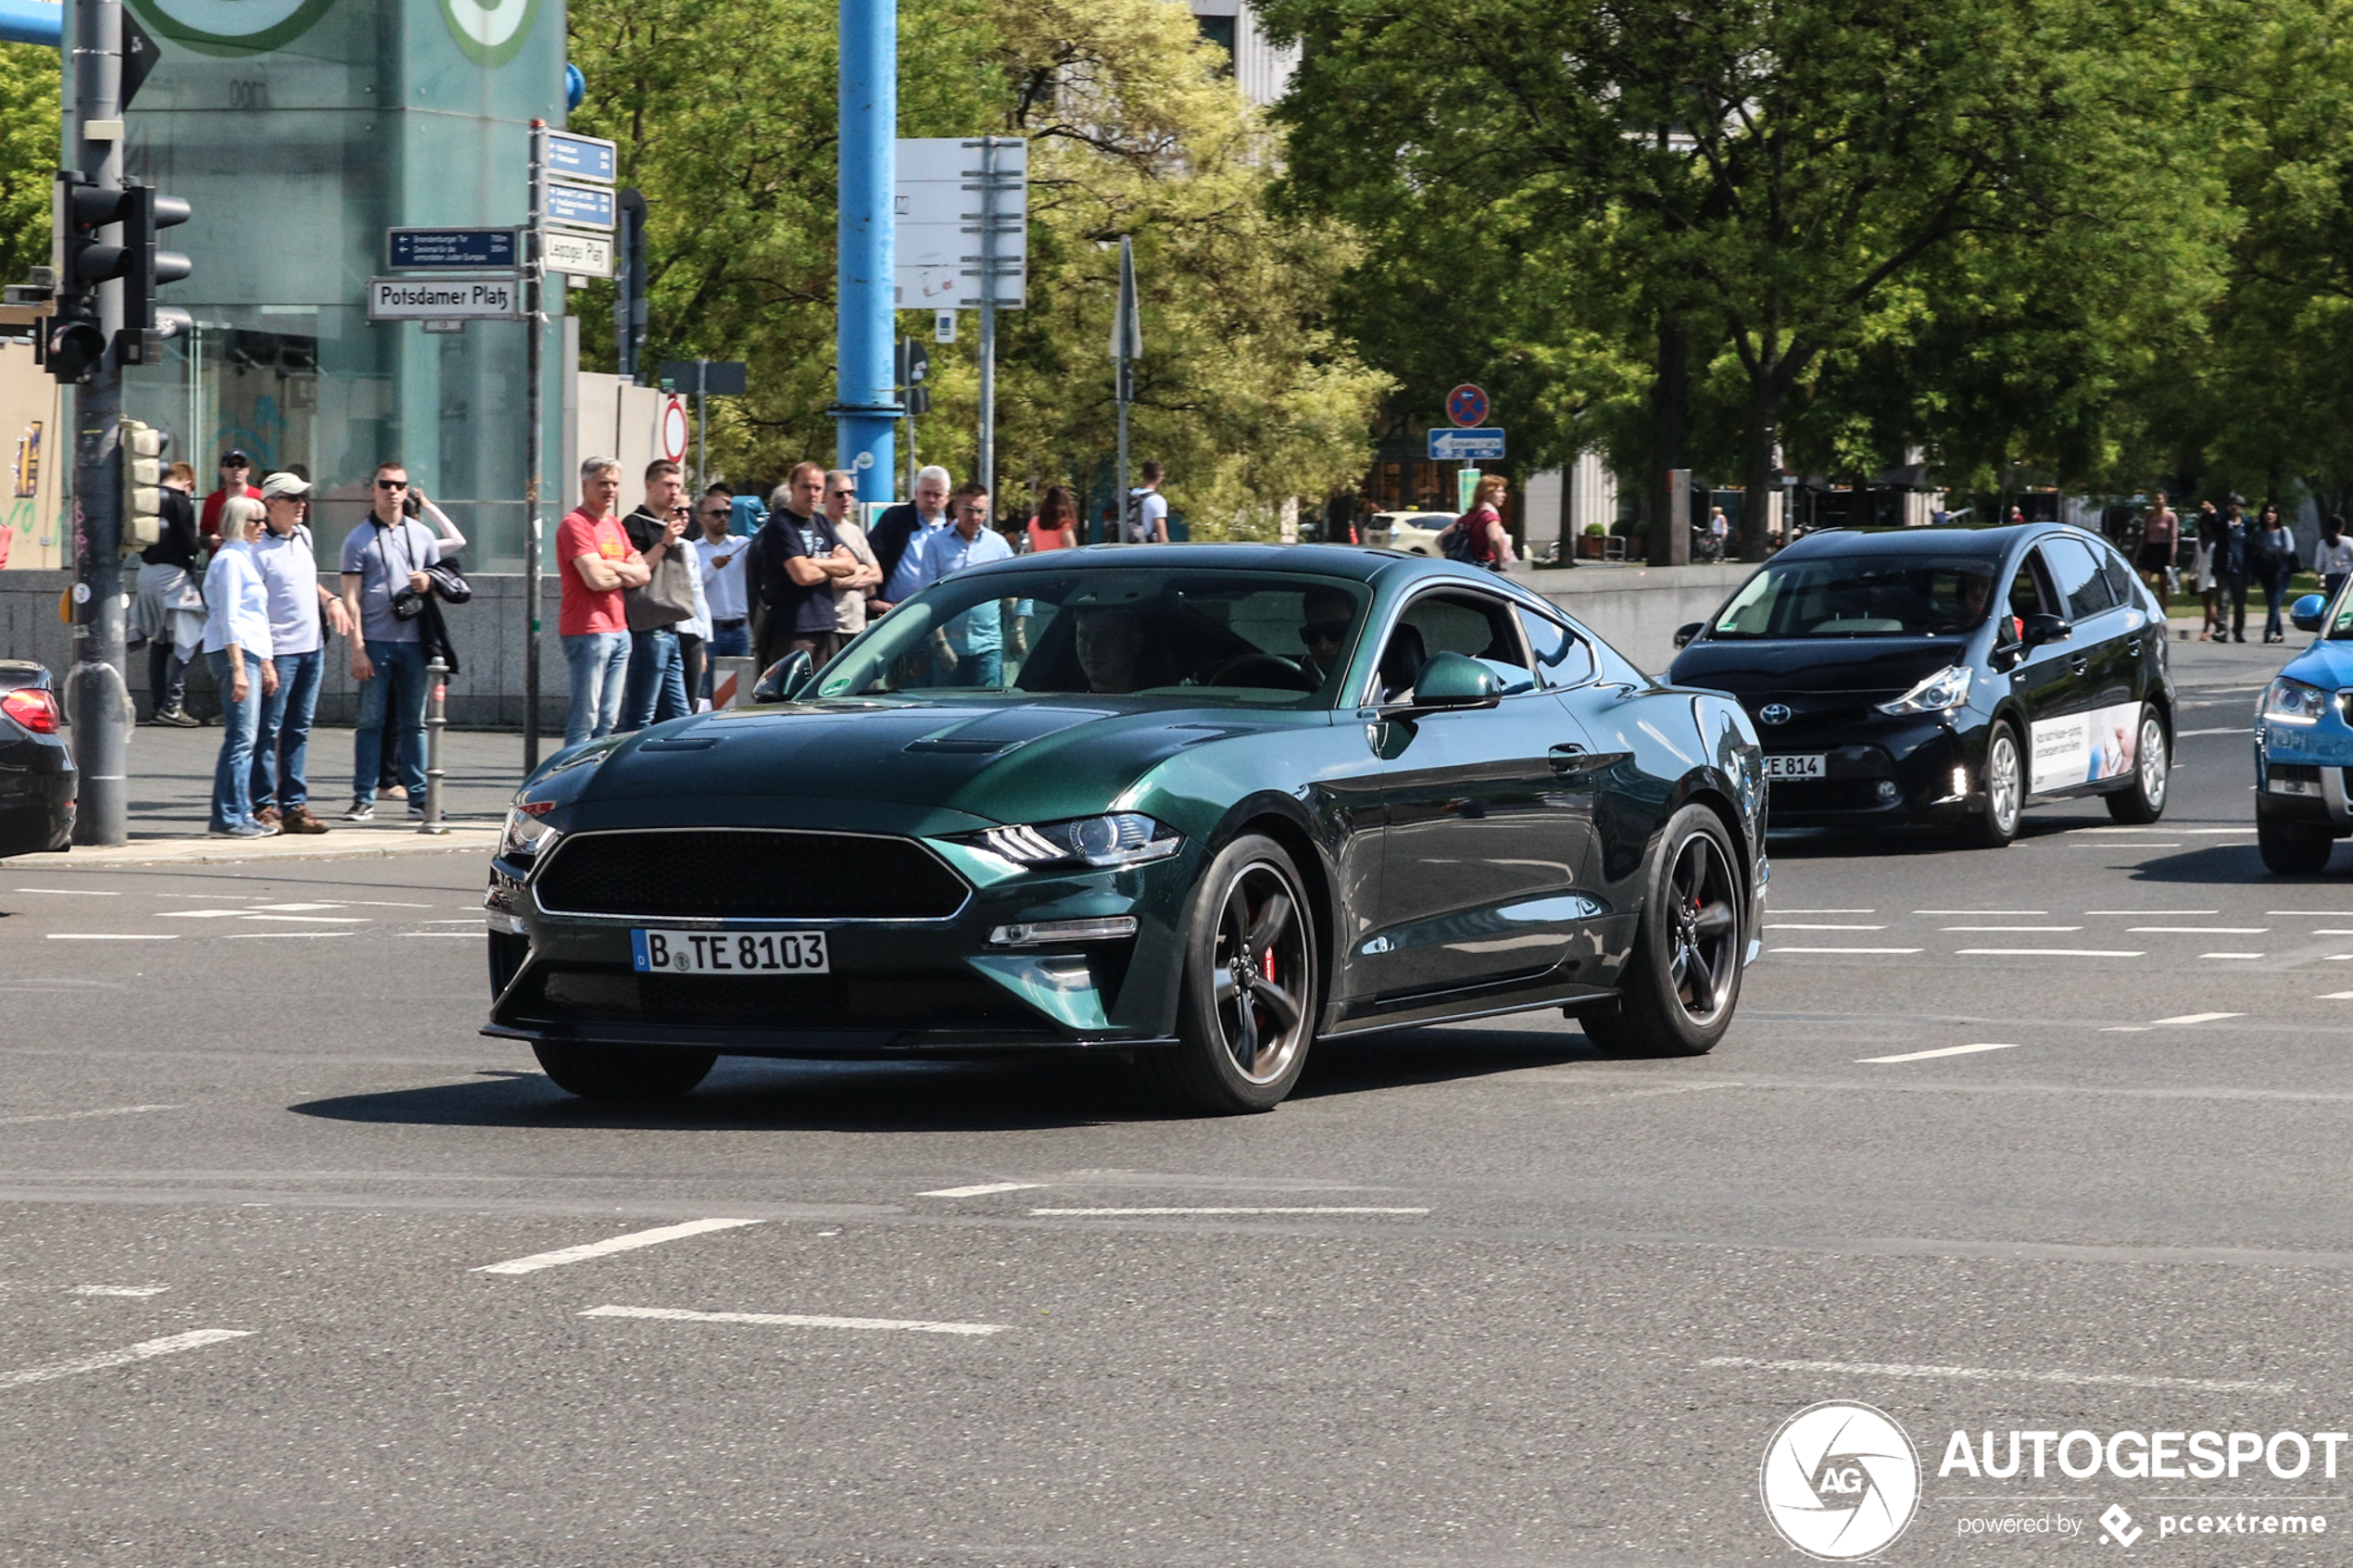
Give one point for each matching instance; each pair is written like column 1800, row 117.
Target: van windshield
column 1861, row 596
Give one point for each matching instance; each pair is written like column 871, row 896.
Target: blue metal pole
column 866, row 397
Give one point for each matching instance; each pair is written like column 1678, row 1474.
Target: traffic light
column 145, row 210
column 142, row 485
column 86, row 260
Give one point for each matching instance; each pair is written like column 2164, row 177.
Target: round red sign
column 1467, row 405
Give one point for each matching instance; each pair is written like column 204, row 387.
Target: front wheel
column 1996, row 822
column 1677, row 996
column 1246, row 1007
column 2290, row 851
column 2144, row 801
column 622, row 1073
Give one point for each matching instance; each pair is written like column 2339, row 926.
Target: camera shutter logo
column 1840, row 1480
column 1774, row 713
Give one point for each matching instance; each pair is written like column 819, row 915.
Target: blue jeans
column 396, row 692
column 726, row 642
column 600, row 665
column 282, row 741
column 2274, row 595
column 983, row 668
column 657, row 688
column 230, row 805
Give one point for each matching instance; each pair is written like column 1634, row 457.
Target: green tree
column 30, row 128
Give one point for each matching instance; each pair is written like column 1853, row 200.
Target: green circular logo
column 490, row 31
column 234, row 27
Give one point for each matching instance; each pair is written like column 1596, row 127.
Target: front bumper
column 1882, row 771
column 2304, row 774
column 37, row 783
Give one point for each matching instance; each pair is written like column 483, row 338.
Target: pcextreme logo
column 1840, row 1480
column 490, row 31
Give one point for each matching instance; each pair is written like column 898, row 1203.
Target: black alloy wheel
column 1680, row 986
column 1246, row 1011
column 622, row 1073
column 2144, row 801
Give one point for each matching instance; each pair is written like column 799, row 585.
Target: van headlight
column 1941, row 693
column 1118, row 838
column 2293, row 702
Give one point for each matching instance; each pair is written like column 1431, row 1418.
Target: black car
column 1949, row 676
column 36, row 771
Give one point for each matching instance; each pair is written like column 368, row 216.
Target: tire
column 1246, row 1003
column 1683, row 981
column 622, row 1073
column 2144, row 802
column 2290, row 851
column 1997, row 825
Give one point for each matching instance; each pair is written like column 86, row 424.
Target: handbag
column 448, row 583
column 665, row 600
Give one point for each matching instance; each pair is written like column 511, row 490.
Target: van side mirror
column 2306, row 613
column 1684, row 634
column 784, row 678
column 2041, row 629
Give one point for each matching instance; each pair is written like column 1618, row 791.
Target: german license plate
column 1794, row 767
column 729, row 952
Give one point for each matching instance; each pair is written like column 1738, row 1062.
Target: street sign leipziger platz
column 1465, row 445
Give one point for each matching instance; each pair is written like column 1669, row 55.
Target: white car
column 1413, row 533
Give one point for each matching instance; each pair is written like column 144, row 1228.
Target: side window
column 1562, row 657
column 1470, row 624
column 2026, row 598
column 2122, row 588
column 2082, row 591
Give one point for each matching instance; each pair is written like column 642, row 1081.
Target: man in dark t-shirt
column 798, row 559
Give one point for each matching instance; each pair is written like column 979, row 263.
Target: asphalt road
column 1473, row 1297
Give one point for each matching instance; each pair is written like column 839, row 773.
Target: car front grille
column 1795, row 795
column 746, row 874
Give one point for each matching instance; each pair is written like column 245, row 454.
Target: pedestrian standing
column 2212, row 538
column 1056, row 525
column 301, row 614
column 2332, row 556
column 383, row 567
column 2274, row 564
column 719, row 560
column 1147, row 508
column 657, row 686
column 853, row 594
column 969, row 649
column 897, row 529
column 236, row 475
column 2159, row 549
column 2234, row 568
column 418, row 507
column 799, row 560
column 236, row 643
column 1484, row 539
column 169, row 607
column 596, row 565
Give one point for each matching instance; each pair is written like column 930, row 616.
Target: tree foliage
column 30, row 129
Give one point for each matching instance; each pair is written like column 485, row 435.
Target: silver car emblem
column 1774, row 713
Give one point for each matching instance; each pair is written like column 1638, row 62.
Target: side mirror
column 2041, row 629
column 2306, row 613
column 1683, row 634
column 1454, row 680
column 784, row 678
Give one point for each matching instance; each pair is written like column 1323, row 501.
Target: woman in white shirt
column 2332, row 556
column 236, row 643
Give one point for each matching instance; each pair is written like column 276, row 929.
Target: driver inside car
column 1111, row 648
column 1325, row 614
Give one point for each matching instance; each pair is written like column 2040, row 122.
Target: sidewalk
column 171, row 787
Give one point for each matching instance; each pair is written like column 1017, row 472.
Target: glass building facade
column 299, row 131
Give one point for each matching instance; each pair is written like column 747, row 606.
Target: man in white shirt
column 903, row 527
column 1148, row 508
column 301, row 613
column 719, row 554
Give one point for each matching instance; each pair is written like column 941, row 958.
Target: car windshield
column 1265, row 639
column 1905, row 595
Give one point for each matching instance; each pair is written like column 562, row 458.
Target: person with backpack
column 1147, row 508
column 301, row 614
column 1479, row 536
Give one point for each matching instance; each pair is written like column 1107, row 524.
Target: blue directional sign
column 582, row 158
column 581, row 206
column 464, row 249
column 1465, row 445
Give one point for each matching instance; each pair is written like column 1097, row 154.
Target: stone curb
column 209, row 852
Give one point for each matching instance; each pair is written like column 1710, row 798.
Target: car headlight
column 1120, row 838
column 2293, row 702
column 528, row 835
column 1941, row 693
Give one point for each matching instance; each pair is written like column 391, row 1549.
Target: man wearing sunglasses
column 384, row 556
column 1329, row 615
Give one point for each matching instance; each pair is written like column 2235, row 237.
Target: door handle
column 2080, row 663
column 1570, row 757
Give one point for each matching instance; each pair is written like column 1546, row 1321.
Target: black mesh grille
column 735, row 875
column 917, row 1000
column 1828, row 795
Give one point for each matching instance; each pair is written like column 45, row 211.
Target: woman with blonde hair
column 236, row 641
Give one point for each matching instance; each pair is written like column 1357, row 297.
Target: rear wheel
column 1677, row 996
column 1996, row 822
column 1245, row 1011
column 2144, row 801
column 622, row 1071
column 2291, row 850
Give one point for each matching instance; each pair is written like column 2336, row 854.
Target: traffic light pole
column 96, row 693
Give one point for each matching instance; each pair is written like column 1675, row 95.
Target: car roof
column 1967, row 539
column 1361, row 563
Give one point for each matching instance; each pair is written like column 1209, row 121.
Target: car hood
column 2325, row 664
column 1814, row 666
column 1020, row 761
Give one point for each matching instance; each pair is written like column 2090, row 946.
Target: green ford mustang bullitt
column 1204, row 804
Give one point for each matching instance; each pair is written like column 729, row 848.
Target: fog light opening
column 1887, row 789
column 1031, row 933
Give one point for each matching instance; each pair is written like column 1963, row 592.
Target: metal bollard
column 436, row 720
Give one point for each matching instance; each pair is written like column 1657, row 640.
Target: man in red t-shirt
column 236, row 469
column 595, row 564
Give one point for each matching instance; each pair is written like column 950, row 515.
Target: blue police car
column 2304, row 742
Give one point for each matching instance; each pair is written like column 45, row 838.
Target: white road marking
column 2170, row 828
column 1800, row 925
column 296, row 908
column 315, row 920
column 2010, row 928
column 2230, row 955
column 2197, row 930
column 983, row 1190
column 796, row 1319
column 120, row 1289
column 278, row 935
column 2138, row 913
column 1094, row 1212
column 2046, row 953
column 2127, row 1029
column 2334, row 997
column 2312, row 915
column 467, row 934
column 1981, row 911
column 1844, row 950
column 113, row 936
column 83, row 1115
column 146, row 1350
column 73, row 892
column 1826, row 912
column 1987, row 1374
column 2193, row 734
column 200, row 914
column 2200, row 1017
column 628, row 1243
column 2135, row 844
column 1945, row 1050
